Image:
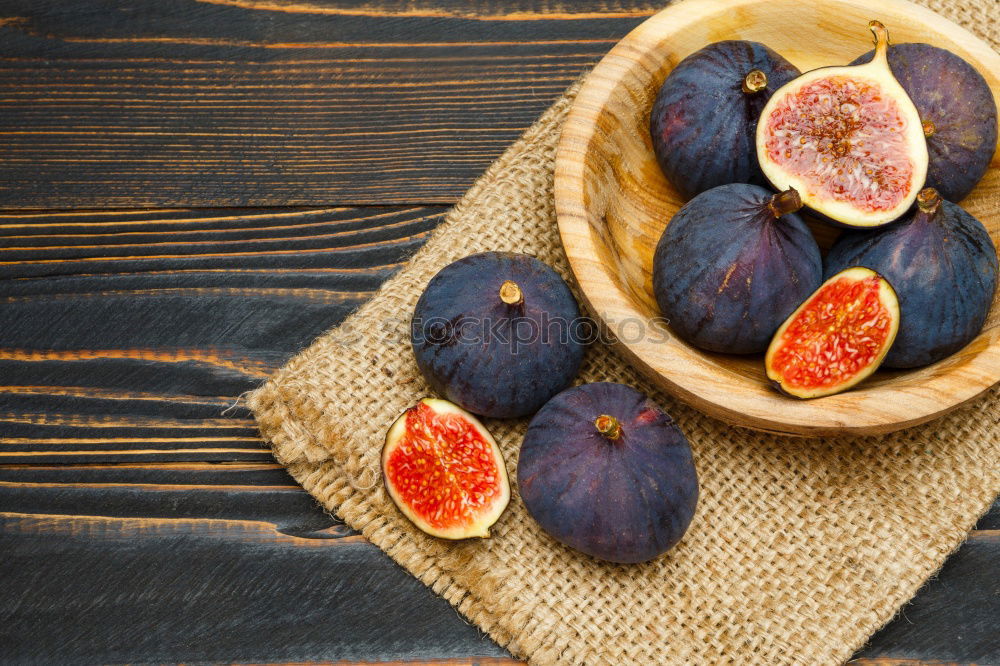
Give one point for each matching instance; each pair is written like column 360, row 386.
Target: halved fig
column 444, row 471
column 837, row 337
column 848, row 139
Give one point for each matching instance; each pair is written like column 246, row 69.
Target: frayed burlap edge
column 301, row 436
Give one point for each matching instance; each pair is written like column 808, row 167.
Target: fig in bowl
column 957, row 114
column 704, row 120
column 943, row 265
column 837, row 338
column 613, row 203
column 732, row 264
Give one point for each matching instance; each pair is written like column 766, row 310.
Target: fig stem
column 608, row 426
column 510, row 293
column 928, row 200
column 754, row 81
column 785, row 202
column 881, row 42
column 929, row 128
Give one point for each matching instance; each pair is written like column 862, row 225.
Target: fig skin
column 957, row 102
column 943, row 265
column 727, row 272
column 622, row 489
column 704, row 120
column 495, row 358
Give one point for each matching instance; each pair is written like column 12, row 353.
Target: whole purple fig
column 605, row 471
column 704, row 120
column 957, row 110
column 496, row 333
column 943, row 265
column 731, row 266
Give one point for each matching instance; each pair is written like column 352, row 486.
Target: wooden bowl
column 613, row 203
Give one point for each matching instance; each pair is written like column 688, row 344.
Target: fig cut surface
column 444, row 471
column 848, row 139
column 837, row 337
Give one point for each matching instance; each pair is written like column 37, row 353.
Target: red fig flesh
column 848, row 139
column 837, row 337
column 444, row 471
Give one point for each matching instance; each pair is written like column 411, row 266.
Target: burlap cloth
column 799, row 550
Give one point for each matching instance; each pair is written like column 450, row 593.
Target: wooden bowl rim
column 608, row 300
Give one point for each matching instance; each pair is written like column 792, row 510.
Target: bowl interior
column 613, row 204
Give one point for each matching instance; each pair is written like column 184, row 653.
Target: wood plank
column 227, row 491
column 208, row 249
column 206, row 499
column 253, row 103
column 288, row 509
column 129, row 335
column 118, row 590
column 186, row 473
column 991, row 519
column 146, row 560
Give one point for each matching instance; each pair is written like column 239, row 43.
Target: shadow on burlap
column 799, row 550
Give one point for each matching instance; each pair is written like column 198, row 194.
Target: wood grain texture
column 126, row 335
column 181, row 547
column 613, row 204
column 123, row 589
column 255, row 103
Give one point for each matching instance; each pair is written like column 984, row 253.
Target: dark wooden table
column 191, row 191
